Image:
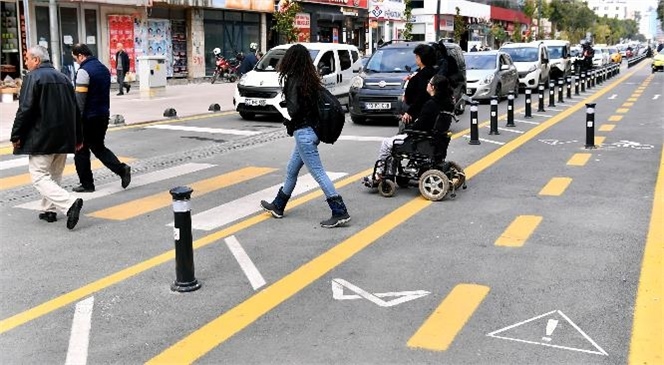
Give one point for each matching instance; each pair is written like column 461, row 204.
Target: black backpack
column 331, row 117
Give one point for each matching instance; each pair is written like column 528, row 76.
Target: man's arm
column 26, row 103
column 82, row 83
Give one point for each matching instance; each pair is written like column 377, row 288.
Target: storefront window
column 69, row 36
column 230, row 31
column 11, row 56
column 91, row 38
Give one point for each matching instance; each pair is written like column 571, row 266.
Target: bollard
column 588, row 78
column 600, row 76
column 561, row 89
column 590, row 125
column 569, row 86
column 494, row 116
column 474, row 127
column 552, row 94
column 185, row 281
column 540, row 106
column 576, row 85
column 593, row 78
column 510, row 109
column 583, row 82
column 529, row 107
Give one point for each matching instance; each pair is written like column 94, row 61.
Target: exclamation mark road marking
column 579, row 159
column 550, row 327
column 519, row 231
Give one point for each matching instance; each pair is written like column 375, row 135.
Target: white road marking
column 79, row 340
column 655, row 97
column 338, row 286
column 511, row 130
column 255, row 277
column 613, row 96
column 249, row 204
column 361, row 138
column 542, row 115
column 556, row 110
column 467, row 136
column 526, row 121
column 236, row 132
column 16, row 162
column 136, row 181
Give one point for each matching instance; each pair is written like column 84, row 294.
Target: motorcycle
column 225, row 69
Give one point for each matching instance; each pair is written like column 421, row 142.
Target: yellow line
column 439, row 330
column 607, row 127
column 599, row 140
column 518, row 232
column 632, row 99
column 151, row 203
column 615, row 118
column 622, row 110
column 70, row 169
column 627, row 105
column 556, row 186
column 647, row 344
column 579, row 159
column 6, row 150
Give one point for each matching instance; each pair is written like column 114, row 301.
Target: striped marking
column 250, row 270
column 148, row 204
column 519, row 231
column 441, row 328
column 579, row 159
column 136, row 181
column 607, row 127
column 632, row 99
column 16, row 162
column 361, row 138
column 615, row 118
column 526, row 121
column 70, row 169
column 184, row 128
column 6, row 150
column 556, row 186
column 79, row 339
column 599, row 140
column 622, row 110
column 467, row 136
column 542, row 115
column 511, row 130
column 627, row 105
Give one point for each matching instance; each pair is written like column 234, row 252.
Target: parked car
column 259, row 92
column 490, row 73
column 658, row 62
column 560, row 61
column 531, row 61
column 377, row 91
column 601, row 57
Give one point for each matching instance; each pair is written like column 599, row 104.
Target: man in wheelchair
column 419, row 153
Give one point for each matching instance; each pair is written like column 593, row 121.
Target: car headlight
column 242, row 80
column 357, row 82
column 532, row 68
column 488, row 79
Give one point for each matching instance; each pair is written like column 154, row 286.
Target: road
column 552, row 255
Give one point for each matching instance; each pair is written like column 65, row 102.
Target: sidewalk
column 188, row 100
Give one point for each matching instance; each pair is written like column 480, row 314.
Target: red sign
column 303, row 23
column 121, row 30
column 360, row 4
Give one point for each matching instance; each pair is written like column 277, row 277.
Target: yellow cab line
column 647, row 344
column 151, row 203
column 70, row 169
column 579, row 159
column 519, row 231
column 556, row 186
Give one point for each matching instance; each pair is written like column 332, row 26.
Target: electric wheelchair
column 419, row 160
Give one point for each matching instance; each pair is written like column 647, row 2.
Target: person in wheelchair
column 434, row 119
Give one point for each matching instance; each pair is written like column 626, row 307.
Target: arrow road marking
column 338, row 286
column 77, row 354
column 655, row 97
column 613, row 96
column 255, row 277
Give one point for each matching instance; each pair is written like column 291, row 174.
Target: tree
column 459, row 26
column 408, row 18
column 499, row 34
column 517, row 32
column 660, row 12
column 285, row 17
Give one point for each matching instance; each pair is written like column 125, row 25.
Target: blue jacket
column 93, row 88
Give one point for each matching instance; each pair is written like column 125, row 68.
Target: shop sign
column 349, row 11
column 265, row 6
column 303, row 23
column 387, row 9
column 360, row 4
column 121, row 30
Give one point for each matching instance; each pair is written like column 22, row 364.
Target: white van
column 531, row 61
column 560, row 62
column 259, row 92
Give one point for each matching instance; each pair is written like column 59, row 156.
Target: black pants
column 94, row 133
column 121, row 76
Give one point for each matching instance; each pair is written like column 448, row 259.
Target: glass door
column 68, row 38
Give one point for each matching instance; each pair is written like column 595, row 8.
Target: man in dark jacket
column 121, row 68
column 249, row 60
column 46, row 128
column 93, row 87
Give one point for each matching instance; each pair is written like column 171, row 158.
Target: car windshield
column 555, row 52
column 480, row 62
column 392, row 60
column 271, row 59
column 522, row 54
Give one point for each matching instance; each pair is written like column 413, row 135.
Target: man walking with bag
column 121, row 68
column 93, row 87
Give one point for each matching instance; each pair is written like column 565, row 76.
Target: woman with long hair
column 301, row 85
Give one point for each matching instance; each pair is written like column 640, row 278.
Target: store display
column 121, row 30
column 9, row 42
column 179, row 41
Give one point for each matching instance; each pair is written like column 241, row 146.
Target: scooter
column 224, row 70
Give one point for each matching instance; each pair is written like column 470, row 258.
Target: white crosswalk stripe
column 183, row 128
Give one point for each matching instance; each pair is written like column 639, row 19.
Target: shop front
column 336, row 21
column 13, row 42
column 386, row 17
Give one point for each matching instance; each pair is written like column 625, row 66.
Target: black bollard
column 576, row 84
column 593, row 78
column 561, row 90
column 552, row 94
column 474, row 127
column 588, row 79
column 529, row 107
column 590, row 125
column 568, row 81
column 540, row 106
column 583, row 82
column 494, row 116
column 185, row 281
column 510, row 110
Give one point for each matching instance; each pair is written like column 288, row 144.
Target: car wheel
column 357, row 119
column 499, row 91
column 516, row 88
column 247, row 115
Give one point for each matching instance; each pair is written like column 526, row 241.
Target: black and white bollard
column 185, row 281
column 552, row 94
column 529, row 103
column 576, row 84
column 540, row 104
column 561, row 90
column 583, row 82
column 589, row 78
column 494, row 116
column 593, row 78
column 510, row 109
column 569, row 86
column 590, row 125
column 474, row 126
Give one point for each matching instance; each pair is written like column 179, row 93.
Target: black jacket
column 416, row 91
column 47, row 120
column 124, row 58
column 303, row 113
column 430, row 115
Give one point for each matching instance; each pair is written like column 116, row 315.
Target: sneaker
column 50, row 217
column 126, row 176
column 73, row 213
column 120, row 93
column 335, row 221
column 273, row 209
column 83, row 189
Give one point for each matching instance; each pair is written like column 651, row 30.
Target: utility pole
column 437, row 21
column 56, row 57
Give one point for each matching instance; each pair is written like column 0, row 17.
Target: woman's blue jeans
column 306, row 153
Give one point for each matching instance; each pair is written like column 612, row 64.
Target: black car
column 377, row 92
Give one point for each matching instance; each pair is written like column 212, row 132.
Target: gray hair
column 39, row 52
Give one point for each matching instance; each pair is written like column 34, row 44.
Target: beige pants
column 46, row 174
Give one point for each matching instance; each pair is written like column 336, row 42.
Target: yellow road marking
column 518, row 231
column 556, row 186
column 632, row 99
column 151, row 203
column 626, row 105
column 439, row 330
column 599, row 140
column 607, row 127
column 615, row 118
column 622, row 110
column 70, row 169
column 579, row 159
column 647, row 345
column 6, row 150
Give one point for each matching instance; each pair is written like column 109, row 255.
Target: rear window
column 522, row 54
column 395, row 60
column 272, row 57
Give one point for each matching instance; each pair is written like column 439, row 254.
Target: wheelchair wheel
column 434, row 185
column 456, row 175
column 387, row 188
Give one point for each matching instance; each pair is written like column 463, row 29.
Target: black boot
column 339, row 213
column 276, row 208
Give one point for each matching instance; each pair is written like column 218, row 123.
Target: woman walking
column 301, row 84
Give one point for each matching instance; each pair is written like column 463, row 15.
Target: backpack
column 331, row 117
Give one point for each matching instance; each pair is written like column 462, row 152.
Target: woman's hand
column 406, row 118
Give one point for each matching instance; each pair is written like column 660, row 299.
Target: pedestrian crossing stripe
column 184, row 128
column 154, row 202
column 70, row 169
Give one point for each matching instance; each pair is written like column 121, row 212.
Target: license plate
column 255, row 102
column 378, row 106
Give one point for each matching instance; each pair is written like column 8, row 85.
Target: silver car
column 490, row 73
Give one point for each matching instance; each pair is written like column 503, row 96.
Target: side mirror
column 504, row 67
column 325, row 70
